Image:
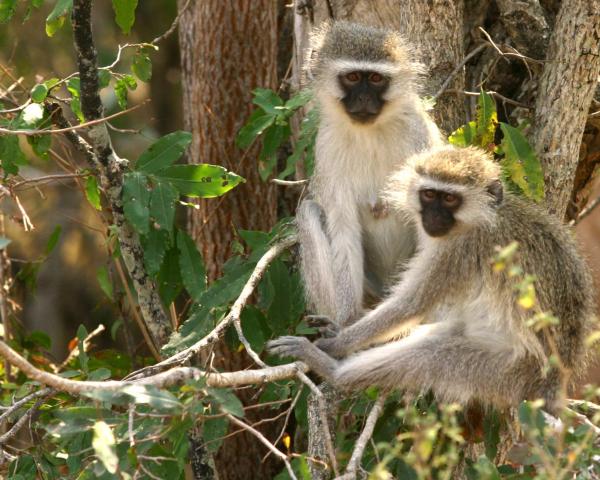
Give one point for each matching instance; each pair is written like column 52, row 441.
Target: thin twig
column 49, row 178
column 493, row 94
column 279, row 454
column 91, row 123
column 26, row 399
column 363, row 439
column 21, row 422
column 174, row 25
column 459, row 67
column 86, row 343
column 289, row 183
column 589, row 208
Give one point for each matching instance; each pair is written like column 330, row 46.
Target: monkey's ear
column 496, row 190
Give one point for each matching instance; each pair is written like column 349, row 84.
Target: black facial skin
column 363, row 94
column 437, row 210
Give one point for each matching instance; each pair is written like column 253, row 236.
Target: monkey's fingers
column 323, row 324
column 287, row 346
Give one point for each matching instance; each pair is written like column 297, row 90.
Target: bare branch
column 175, row 376
column 459, row 67
column 589, row 208
column 235, row 312
column 174, row 25
column 365, row 436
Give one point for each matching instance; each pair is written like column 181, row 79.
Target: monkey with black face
column 365, row 85
column 475, row 344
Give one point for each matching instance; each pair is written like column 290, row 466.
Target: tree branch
column 111, row 174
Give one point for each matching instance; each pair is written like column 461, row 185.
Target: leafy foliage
column 271, row 121
column 521, row 168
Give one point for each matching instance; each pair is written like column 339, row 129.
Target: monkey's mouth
column 363, row 117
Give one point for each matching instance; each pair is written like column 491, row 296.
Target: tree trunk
column 227, row 50
column 565, row 93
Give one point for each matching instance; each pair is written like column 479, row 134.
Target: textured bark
column 227, row 50
column 565, row 92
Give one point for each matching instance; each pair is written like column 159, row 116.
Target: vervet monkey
column 365, row 85
column 475, row 344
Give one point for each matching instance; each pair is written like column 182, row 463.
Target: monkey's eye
column 428, row 195
column 451, row 200
column 376, row 78
column 353, row 77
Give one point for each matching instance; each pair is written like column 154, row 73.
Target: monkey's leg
column 316, row 258
column 331, row 255
column 456, row 368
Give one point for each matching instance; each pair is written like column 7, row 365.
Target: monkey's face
column 363, row 94
column 438, row 209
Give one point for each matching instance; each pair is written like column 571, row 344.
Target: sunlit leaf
column 56, row 19
column 92, row 192
column 164, row 152
column 105, row 446
column 201, row 180
column 125, row 13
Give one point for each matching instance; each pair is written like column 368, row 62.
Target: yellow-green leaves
column 57, row 16
column 521, row 168
column 520, row 163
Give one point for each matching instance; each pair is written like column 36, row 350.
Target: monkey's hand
column 324, row 324
column 332, row 346
column 289, row 346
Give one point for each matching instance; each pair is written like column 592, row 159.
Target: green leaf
column 104, row 77
column 162, row 205
column 104, row 282
column 56, row 19
column 82, row 333
column 73, row 86
column 164, row 152
column 125, row 14
column 141, row 65
column 169, row 277
column 121, row 87
column 7, row 10
column 299, row 100
column 520, row 163
column 148, row 394
column 255, row 328
column 155, row 244
column 40, row 144
column 213, row 431
column 92, row 192
column 464, row 136
column 105, row 446
column 227, row 401
column 487, row 119
column 193, row 272
column 136, row 198
column 53, row 239
column 256, row 125
column 201, row 180
column 491, row 432
column 11, row 155
column 267, row 99
column 4, row 242
column 279, row 312
column 39, row 93
column 272, row 140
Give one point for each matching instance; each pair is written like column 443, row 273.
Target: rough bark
column 565, row 92
column 227, row 50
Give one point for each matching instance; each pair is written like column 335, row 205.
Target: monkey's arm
column 332, row 258
column 411, row 298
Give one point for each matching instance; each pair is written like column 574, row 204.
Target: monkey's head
column 448, row 189
column 362, row 72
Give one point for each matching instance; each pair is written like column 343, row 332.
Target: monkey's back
column 563, row 283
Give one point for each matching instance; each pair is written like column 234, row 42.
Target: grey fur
column 474, row 344
column 341, row 237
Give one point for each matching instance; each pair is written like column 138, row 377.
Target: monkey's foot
column 325, row 325
column 289, row 346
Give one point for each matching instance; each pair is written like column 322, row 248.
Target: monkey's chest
column 388, row 244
